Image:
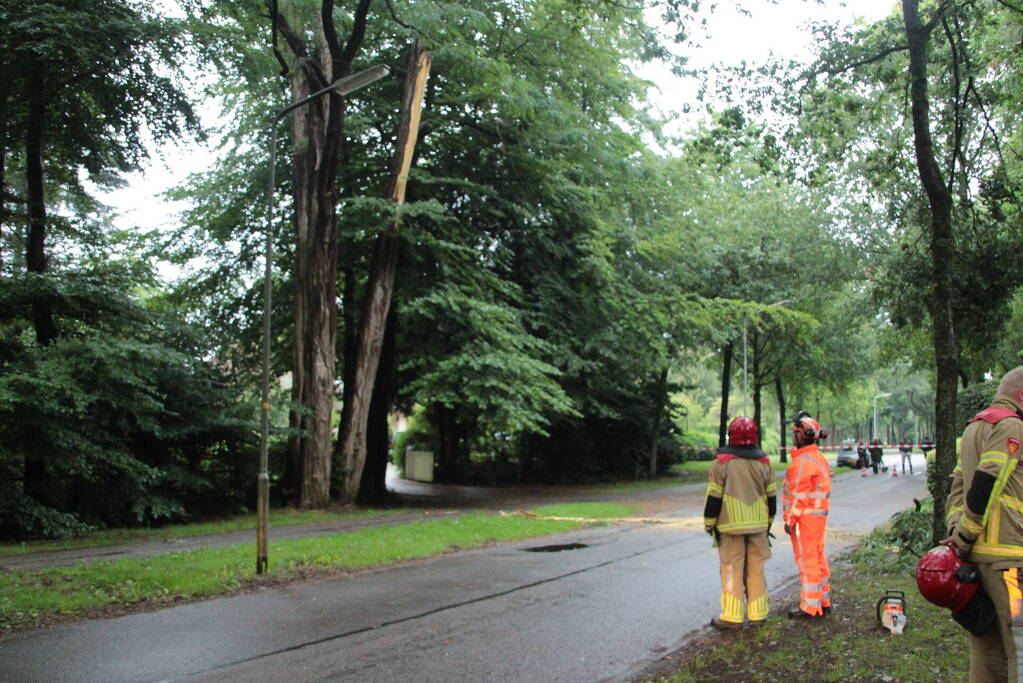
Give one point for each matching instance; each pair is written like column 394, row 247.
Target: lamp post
column 342, row 86
column 873, row 432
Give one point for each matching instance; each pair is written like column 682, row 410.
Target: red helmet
column 946, row 580
column 743, row 432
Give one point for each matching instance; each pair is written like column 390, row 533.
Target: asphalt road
column 605, row 611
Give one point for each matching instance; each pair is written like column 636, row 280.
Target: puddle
column 555, row 548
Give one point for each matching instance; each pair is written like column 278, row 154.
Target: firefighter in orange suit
column 806, row 497
column 740, row 506
column 985, row 515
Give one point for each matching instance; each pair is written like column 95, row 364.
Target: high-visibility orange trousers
column 814, row 574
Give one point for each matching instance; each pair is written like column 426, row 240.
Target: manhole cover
column 555, row 548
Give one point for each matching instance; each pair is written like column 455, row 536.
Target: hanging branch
column 957, row 108
column 274, row 18
column 343, row 60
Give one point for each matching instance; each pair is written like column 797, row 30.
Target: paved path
column 604, row 611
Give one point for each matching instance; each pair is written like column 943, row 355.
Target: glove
column 709, row 530
column 789, row 529
column 958, row 544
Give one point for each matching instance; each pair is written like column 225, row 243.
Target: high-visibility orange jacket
column 807, row 486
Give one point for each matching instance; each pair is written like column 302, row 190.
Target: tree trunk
column 380, row 287
column 349, row 306
column 659, row 396
column 3, row 189
column 782, row 422
column 316, row 128
column 940, row 200
column 756, row 383
column 35, row 251
column 726, row 375
column 373, row 488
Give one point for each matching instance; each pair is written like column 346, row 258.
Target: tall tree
column 380, row 288
column 316, row 57
column 81, row 80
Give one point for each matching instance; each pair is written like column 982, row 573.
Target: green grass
column 631, row 486
column 586, row 510
column 114, row 536
column 703, row 466
column 33, row 598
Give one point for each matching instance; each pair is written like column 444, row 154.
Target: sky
column 771, row 28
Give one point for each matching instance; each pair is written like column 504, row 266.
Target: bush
column 117, row 422
column 973, row 399
column 898, row 545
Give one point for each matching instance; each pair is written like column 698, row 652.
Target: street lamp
column 873, row 432
column 342, row 86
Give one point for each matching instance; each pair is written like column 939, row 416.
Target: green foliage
column 897, row 546
column 973, row 399
column 118, row 422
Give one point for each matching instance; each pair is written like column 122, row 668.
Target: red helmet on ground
column 743, row 432
column 946, row 580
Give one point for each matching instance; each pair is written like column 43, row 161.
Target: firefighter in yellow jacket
column 985, row 515
column 740, row 507
column 806, row 495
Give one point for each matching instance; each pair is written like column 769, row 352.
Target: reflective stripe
column 992, row 456
column 731, row 608
column 758, row 609
column 969, row 525
column 822, row 495
column 811, row 602
column 996, row 491
column 715, row 489
column 742, row 515
column 1000, row 550
column 1014, row 503
column 810, row 587
column 822, row 513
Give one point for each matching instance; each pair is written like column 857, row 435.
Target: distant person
column 985, row 528
column 741, row 504
column 862, row 456
column 927, row 444
column 806, row 497
column 906, row 452
column 876, row 454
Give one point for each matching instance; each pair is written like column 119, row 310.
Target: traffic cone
column 895, row 471
column 863, row 470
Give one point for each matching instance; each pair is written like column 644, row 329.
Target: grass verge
column 240, row 522
column 703, row 466
column 29, row 599
column 650, row 484
column 849, row 645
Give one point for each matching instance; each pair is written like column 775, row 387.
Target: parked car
column 847, row 456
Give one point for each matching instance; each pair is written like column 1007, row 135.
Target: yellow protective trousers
column 814, row 574
column 998, row 654
column 743, row 585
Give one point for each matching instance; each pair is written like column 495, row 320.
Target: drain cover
column 555, row 548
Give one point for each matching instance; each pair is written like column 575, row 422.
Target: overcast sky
column 771, row 28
